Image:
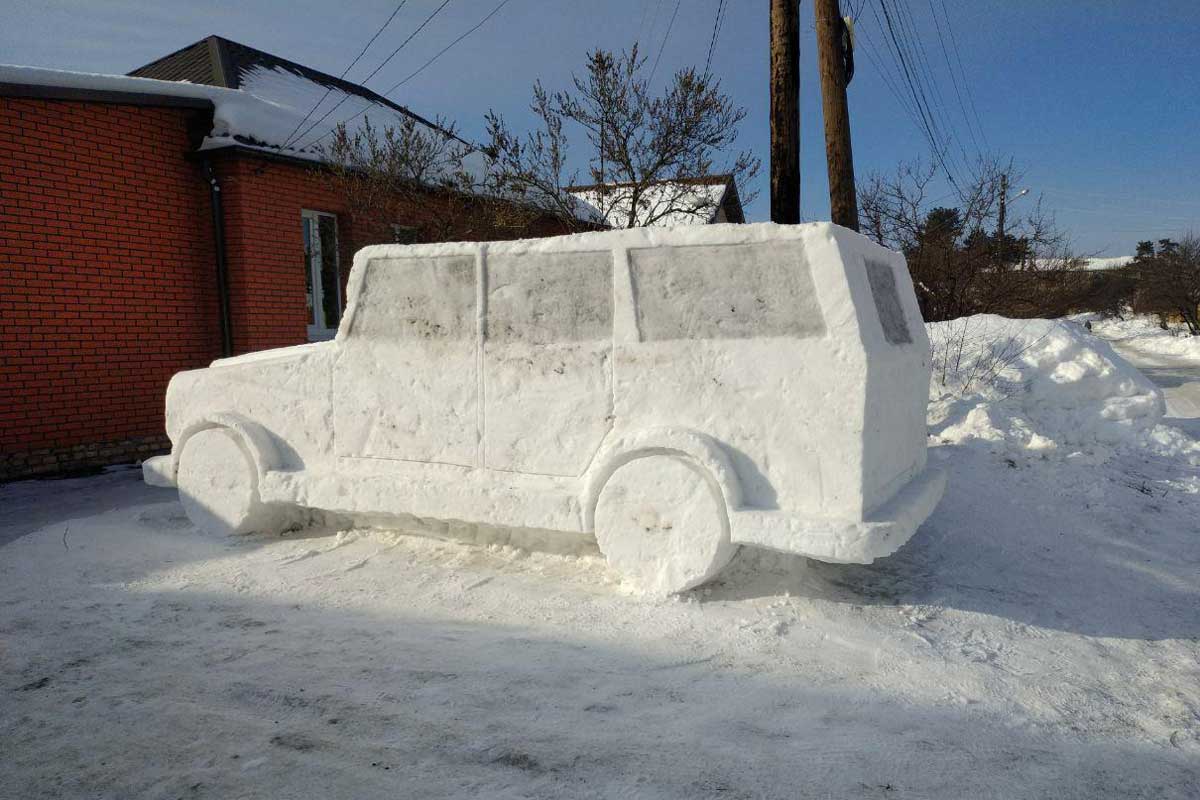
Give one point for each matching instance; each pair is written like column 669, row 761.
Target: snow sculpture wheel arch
column 679, row 442
column 659, row 507
column 217, row 466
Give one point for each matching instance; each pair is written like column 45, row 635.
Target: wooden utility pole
column 785, row 111
column 843, row 202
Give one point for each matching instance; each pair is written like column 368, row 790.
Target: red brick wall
column 106, row 279
column 265, row 244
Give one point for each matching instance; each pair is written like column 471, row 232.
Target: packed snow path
column 1037, row 638
column 1179, row 379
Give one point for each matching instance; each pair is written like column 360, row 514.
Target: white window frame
column 317, row 331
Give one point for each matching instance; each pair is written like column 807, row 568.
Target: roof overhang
column 81, row 95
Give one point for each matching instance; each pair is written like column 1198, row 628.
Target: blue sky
column 1097, row 101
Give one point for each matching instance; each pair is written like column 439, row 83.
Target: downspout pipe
column 218, row 220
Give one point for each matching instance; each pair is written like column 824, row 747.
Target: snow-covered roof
column 260, row 100
column 1115, row 262
column 1086, row 264
column 693, row 201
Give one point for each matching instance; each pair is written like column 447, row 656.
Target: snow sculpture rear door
column 547, row 361
column 405, row 385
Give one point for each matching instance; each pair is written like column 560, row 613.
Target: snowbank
column 1038, row 387
column 1143, row 334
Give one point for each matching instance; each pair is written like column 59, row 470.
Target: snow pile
column 1038, row 387
column 1144, row 334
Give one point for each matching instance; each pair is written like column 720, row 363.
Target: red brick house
column 150, row 226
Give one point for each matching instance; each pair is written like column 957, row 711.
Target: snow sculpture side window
column 417, row 298
column 550, row 298
column 887, row 302
column 725, row 292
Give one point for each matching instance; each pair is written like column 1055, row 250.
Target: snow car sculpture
column 676, row 392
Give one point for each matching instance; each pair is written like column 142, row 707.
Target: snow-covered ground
column 1142, row 335
column 1038, row 637
column 1170, row 358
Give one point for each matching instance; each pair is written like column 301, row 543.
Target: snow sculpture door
column 547, row 361
column 405, row 385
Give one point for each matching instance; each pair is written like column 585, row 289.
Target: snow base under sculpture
column 676, row 392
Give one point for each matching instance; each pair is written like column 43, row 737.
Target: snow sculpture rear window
column 887, row 302
column 549, row 298
column 725, row 292
column 417, row 298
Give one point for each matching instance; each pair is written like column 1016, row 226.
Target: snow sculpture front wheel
column 661, row 522
column 218, row 485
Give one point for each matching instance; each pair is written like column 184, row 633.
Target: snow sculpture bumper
column 848, row 542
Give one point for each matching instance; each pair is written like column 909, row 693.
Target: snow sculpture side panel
column 547, row 360
column 405, row 383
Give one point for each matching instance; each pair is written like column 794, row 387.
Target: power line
column 642, row 22
column 931, row 92
column 382, row 64
column 442, row 52
column 413, row 74
column 920, row 100
column 663, row 46
column 889, row 77
column 958, row 58
column 950, row 129
column 716, row 32
column 346, row 71
column 962, row 106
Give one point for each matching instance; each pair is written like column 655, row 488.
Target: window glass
column 403, row 234
column 428, row 299
column 308, row 275
column 545, row 298
column 737, row 291
column 331, row 284
column 887, row 302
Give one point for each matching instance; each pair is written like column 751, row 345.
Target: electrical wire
column 715, row 33
column 663, row 46
column 412, row 75
column 967, row 85
column 962, row 106
column 375, row 71
column 346, row 71
column 920, row 99
column 442, row 52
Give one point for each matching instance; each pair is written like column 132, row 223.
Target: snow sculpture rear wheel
column 661, row 522
column 218, row 485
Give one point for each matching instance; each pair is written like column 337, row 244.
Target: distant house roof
column 682, row 201
column 258, row 100
column 217, row 61
column 1100, row 264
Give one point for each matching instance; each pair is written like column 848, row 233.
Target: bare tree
column 532, row 170
column 645, row 149
column 383, row 173
column 960, row 259
column 1169, row 281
